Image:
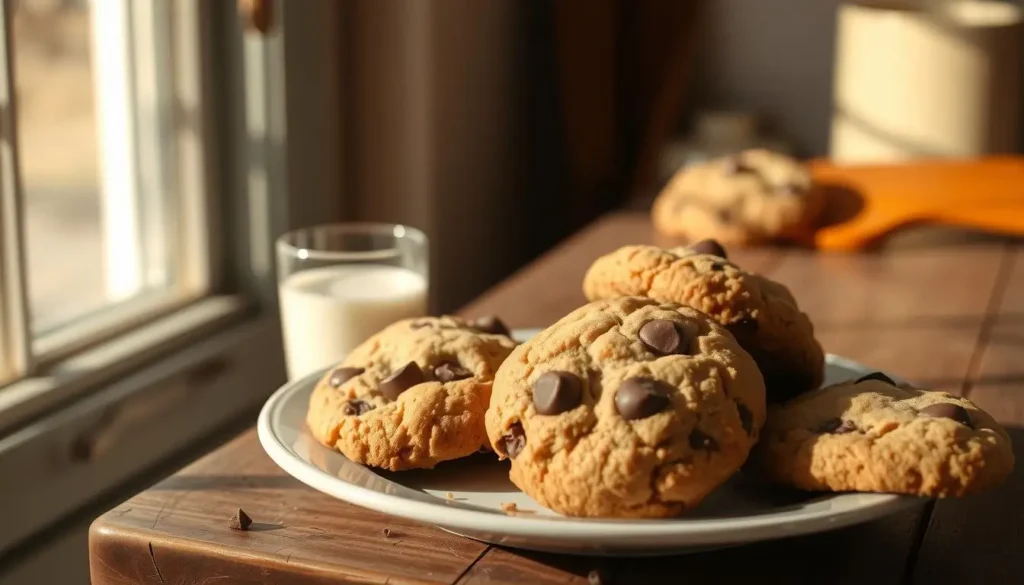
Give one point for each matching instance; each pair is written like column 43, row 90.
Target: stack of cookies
column 680, row 370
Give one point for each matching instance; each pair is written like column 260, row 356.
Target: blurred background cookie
column 752, row 196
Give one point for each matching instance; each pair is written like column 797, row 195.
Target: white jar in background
column 925, row 80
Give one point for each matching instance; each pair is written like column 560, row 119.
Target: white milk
column 327, row 312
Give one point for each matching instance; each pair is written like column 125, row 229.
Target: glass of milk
column 340, row 283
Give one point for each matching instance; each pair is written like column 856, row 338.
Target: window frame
column 149, row 70
column 118, row 408
column 15, row 334
column 138, row 177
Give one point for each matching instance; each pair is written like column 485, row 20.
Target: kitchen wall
column 773, row 57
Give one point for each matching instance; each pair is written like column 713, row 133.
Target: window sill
column 139, row 419
column 74, row 376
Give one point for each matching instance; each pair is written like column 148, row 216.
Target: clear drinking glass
column 341, row 283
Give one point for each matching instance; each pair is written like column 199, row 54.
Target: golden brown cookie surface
column 626, row 408
column 761, row 313
column 875, row 436
column 412, row 395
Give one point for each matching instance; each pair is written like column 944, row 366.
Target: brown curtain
column 623, row 72
column 502, row 127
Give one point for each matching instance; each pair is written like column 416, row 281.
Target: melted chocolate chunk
column 711, row 247
column 356, row 408
column 639, row 397
column 950, row 411
column 663, row 337
column 491, row 324
column 401, row 380
column 837, row 426
column 240, row 520
column 556, row 392
column 341, row 375
column 699, row 440
column 451, row 371
column 515, row 441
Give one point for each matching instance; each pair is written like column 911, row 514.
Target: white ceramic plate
column 741, row 511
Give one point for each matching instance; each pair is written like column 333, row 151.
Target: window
column 103, row 117
column 105, row 204
column 147, row 153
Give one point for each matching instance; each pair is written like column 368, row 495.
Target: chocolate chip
column 342, row 375
column 639, row 398
column 744, row 326
column 450, row 372
column 663, row 337
column 556, row 392
column 514, row 441
column 734, row 165
column 711, row 247
column 401, row 380
column 879, row 376
column 746, row 417
column 240, row 521
column 491, row 324
column 950, row 411
column 699, row 440
column 386, row 532
column 356, row 408
column 837, row 426
column 717, row 266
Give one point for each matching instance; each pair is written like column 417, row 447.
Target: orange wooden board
column 866, row 202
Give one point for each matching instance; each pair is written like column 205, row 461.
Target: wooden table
column 949, row 317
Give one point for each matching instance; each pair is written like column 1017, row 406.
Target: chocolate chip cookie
column 626, row 408
column 752, row 196
column 872, row 435
column 412, row 395
column 761, row 313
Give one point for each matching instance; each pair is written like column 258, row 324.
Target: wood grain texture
column 177, row 532
column 979, row 539
column 889, row 310
column 917, row 313
column 874, row 552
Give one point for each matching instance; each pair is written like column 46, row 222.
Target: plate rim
column 580, row 531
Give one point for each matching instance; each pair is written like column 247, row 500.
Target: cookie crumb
column 509, row 507
column 597, row 577
column 387, row 532
column 240, row 521
column 449, row 496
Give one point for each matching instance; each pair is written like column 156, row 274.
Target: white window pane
column 95, row 131
column 59, row 158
